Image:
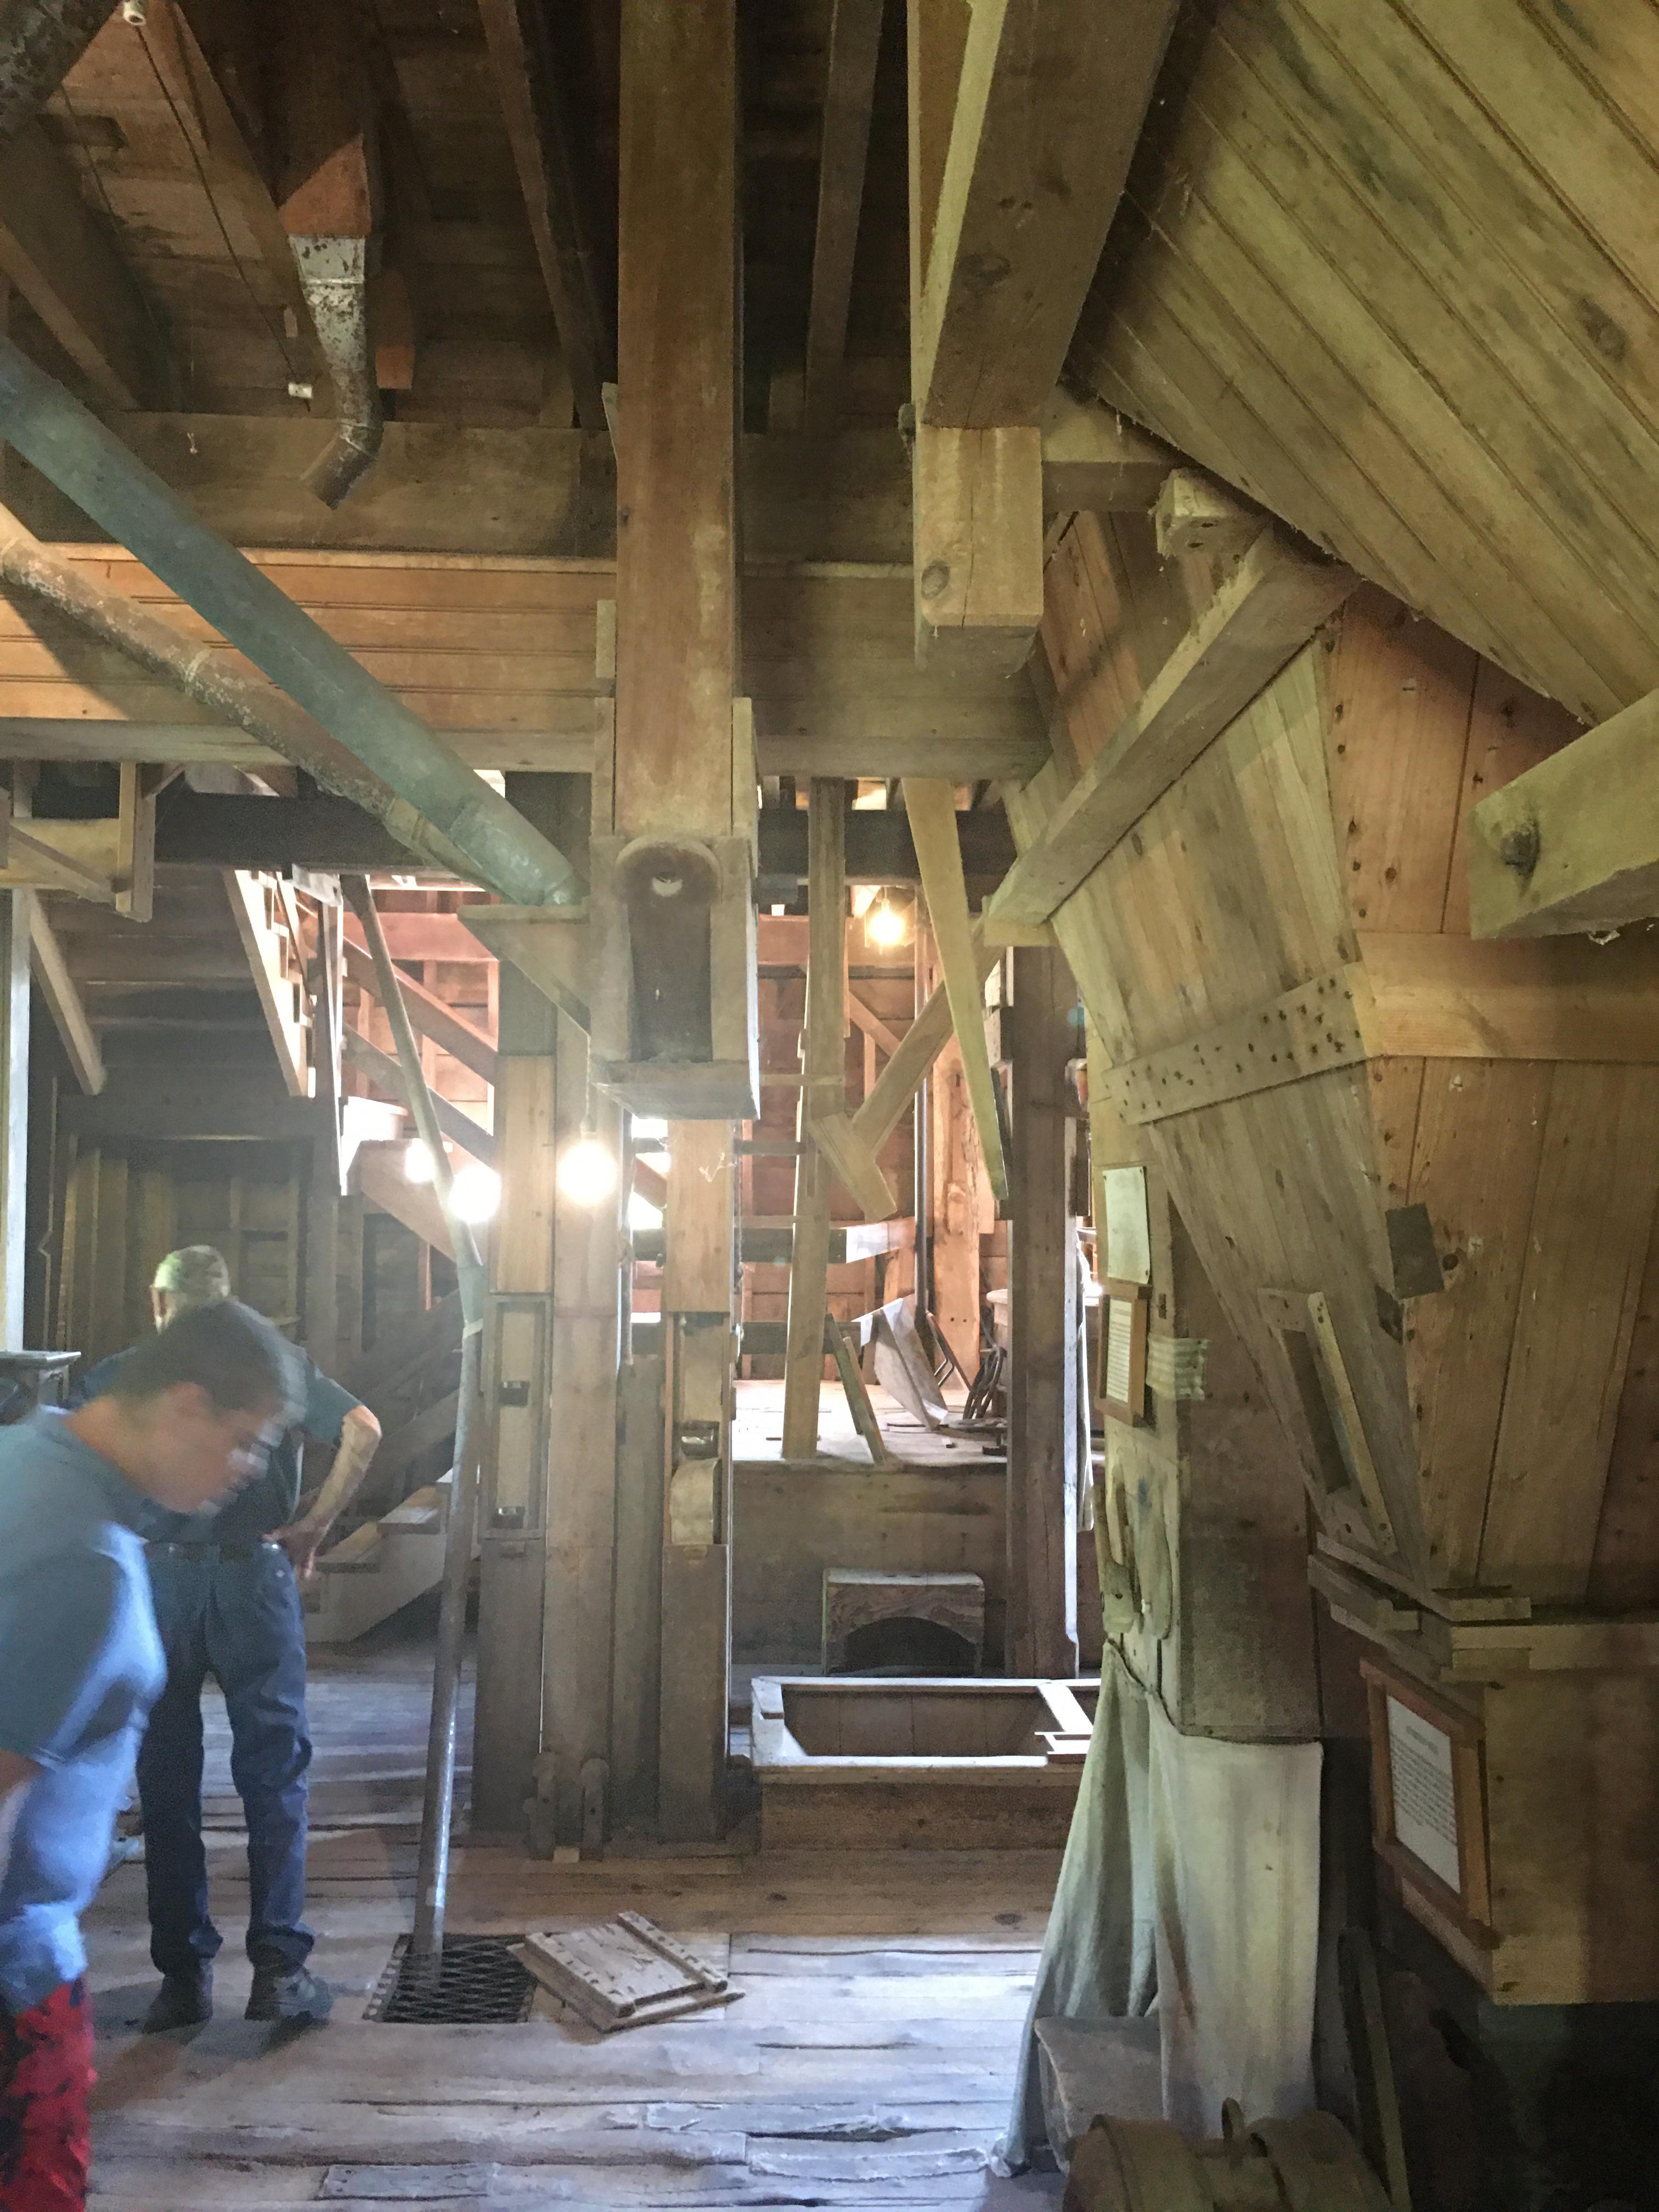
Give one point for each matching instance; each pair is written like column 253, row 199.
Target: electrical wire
column 277, row 336
column 143, row 290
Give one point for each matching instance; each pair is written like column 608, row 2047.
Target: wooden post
column 1042, row 1278
column 696, row 1555
column 581, row 1497
column 824, row 1091
column 15, row 908
column 512, row 1569
column 677, row 774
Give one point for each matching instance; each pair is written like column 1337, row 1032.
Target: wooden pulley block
column 1310, row 2164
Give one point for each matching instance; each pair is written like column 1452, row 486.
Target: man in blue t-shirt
column 226, row 1586
column 80, row 1663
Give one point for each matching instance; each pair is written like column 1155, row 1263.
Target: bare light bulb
column 476, row 1192
column 884, row 926
column 417, row 1161
column 588, row 1172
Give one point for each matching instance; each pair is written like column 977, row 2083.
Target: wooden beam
column 824, row 1091
column 378, row 1171
column 280, row 996
column 1095, row 460
column 1265, row 611
column 63, row 1001
column 672, row 770
column 931, row 809
column 850, row 96
column 977, row 564
column 548, row 943
column 577, row 1628
column 964, row 751
column 1045, row 110
column 852, row 1142
column 872, row 1024
column 80, row 857
column 178, row 38
column 1194, row 514
column 539, row 128
column 327, row 171
column 449, row 1030
column 383, row 1071
column 1573, row 843
column 65, row 263
column 677, row 596
column 830, row 648
column 1042, row 1374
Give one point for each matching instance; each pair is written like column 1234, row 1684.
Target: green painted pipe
column 90, row 465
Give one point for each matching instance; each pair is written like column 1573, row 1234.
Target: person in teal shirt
column 191, row 1414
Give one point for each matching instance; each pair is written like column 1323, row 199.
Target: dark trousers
column 240, row 1620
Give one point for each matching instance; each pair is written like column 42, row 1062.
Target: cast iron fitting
column 40, row 42
column 334, row 277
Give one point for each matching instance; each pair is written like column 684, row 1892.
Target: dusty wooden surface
column 869, row 2061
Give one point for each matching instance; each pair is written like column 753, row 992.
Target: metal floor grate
column 479, row 1984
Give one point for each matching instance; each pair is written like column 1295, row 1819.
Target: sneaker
column 292, row 1993
column 182, row 2001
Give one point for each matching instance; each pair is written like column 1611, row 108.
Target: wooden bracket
column 549, row 944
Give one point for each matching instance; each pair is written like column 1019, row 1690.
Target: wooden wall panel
column 1399, row 702
column 1490, row 1404
column 1389, row 270
column 1586, row 1249
column 1625, row 1571
column 1480, row 1134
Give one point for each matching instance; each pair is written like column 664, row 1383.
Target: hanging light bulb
column 587, row 1171
column 885, row 925
column 476, row 1192
column 417, row 1161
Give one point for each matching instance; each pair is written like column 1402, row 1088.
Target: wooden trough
column 925, row 1761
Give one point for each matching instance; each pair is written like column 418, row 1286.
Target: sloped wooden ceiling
column 1392, row 269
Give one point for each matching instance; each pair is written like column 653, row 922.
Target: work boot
column 182, row 2001
column 292, row 1993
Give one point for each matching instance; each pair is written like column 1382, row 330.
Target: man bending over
column 190, row 1414
column 226, row 1589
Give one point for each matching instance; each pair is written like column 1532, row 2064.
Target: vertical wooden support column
column 513, row 1565
column 677, row 774
column 1042, row 1279
column 581, row 1495
column 322, row 1279
column 697, row 1558
column 14, row 908
column 824, row 1090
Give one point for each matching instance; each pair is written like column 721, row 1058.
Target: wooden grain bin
column 1419, row 1171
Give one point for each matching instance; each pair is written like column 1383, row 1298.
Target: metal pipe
column 438, row 1806
column 90, row 465
column 40, row 42
column 156, row 645
column 334, row 277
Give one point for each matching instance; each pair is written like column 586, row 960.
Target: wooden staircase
column 380, row 1567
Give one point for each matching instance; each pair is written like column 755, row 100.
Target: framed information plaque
column 1428, row 1803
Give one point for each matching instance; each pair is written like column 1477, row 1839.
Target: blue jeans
column 240, row 1620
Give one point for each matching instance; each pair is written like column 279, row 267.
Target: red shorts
column 46, row 2074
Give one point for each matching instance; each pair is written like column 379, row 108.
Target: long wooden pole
column 824, row 1090
column 438, row 1807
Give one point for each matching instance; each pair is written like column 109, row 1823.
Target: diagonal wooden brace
column 852, row 1142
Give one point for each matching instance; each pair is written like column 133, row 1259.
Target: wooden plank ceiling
column 157, row 125
column 1393, row 270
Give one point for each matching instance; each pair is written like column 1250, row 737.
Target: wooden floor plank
column 869, row 2061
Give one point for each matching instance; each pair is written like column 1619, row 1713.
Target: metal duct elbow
column 334, row 277
column 40, row 41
